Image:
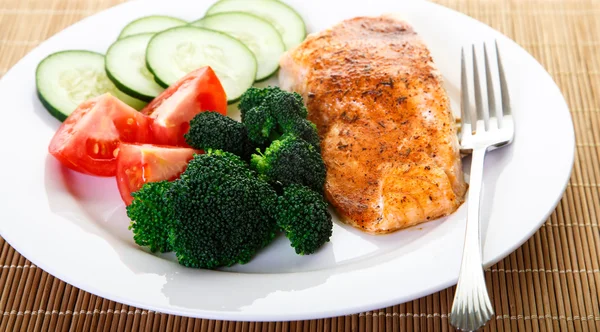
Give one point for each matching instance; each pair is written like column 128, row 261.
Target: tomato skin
column 171, row 111
column 138, row 164
column 88, row 140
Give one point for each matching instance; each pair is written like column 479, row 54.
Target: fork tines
column 492, row 115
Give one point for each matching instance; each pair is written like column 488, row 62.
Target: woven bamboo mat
column 551, row 283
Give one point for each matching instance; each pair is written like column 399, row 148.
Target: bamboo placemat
column 551, row 283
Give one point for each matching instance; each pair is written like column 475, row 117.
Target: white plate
column 75, row 227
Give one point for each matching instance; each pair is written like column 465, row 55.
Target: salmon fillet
column 389, row 138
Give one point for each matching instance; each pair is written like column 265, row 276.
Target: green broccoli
column 286, row 105
column 302, row 214
column 151, row 216
column 224, row 207
column 261, row 125
column 271, row 112
column 305, row 130
column 211, row 130
column 291, row 160
column 222, row 212
column 254, row 97
column 290, row 115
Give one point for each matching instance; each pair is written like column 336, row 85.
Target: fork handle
column 472, row 308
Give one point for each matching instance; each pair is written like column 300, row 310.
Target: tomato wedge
column 172, row 110
column 138, row 164
column 88, row 140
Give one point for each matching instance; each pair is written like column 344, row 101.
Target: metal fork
column 492, row 128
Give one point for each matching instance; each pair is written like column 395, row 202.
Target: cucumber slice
column 126, row 67
column 66, row 79
column 288, row 23
column 174, row 53
column 156, row 23
column 259, row 35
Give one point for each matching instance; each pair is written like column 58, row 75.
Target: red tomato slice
column 138, row 164
column 172, row 110
column 88, row 140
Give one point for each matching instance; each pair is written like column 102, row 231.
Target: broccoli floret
column 286, row 105
column 211, row 130
column 290, row 115
column 151, row 216
column 254, row 97
column 302, row 214
column 303, row 129
column 291, row 160
column 271, row 112
column 223, row 213
column 261, row 125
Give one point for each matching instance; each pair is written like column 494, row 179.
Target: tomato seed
column 116, row 152
column 96, row 148
column 130, row 121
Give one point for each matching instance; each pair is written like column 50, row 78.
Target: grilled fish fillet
column 389, row 138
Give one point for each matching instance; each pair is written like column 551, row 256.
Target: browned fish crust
column 388, row 134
